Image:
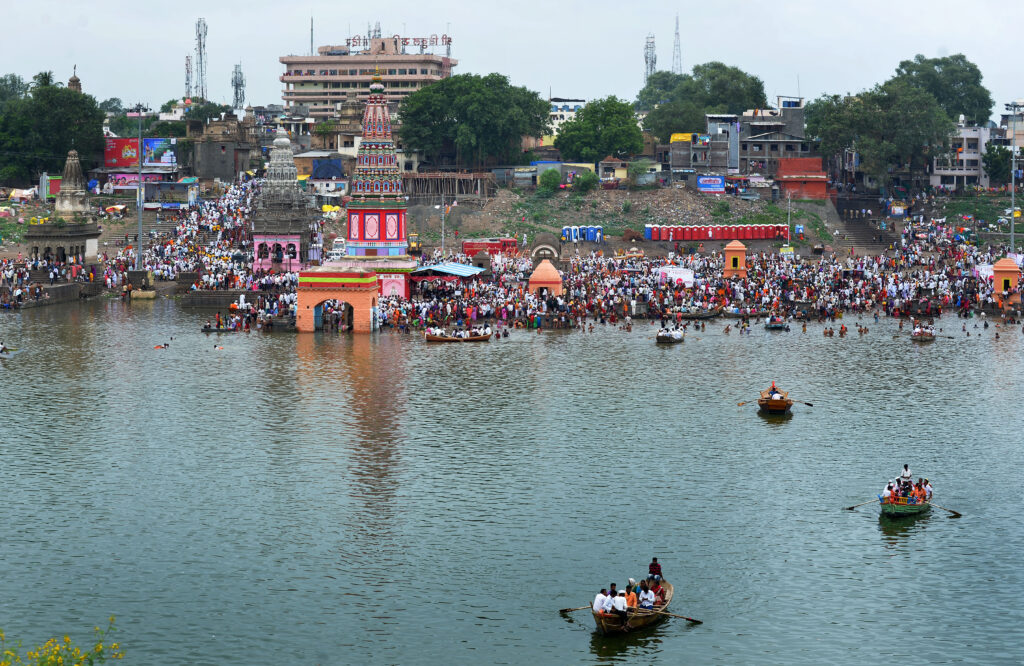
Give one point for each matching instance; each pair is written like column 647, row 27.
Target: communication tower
column 677, row 52
column 188, row 77
column 650, row 57
column 238, row 83
column 201, row 59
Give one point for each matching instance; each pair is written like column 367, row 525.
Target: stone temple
column 71, row 236
column 285, row 218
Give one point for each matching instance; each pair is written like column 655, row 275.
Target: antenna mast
column 650, row 57
column 310, row 35
column 201, row 59
column 188, row 77
column 238, row 83
column 677, row 52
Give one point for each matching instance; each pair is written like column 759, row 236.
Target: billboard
column 159, row 152
column 711, row 183
column 121, row 153
column 129, row 181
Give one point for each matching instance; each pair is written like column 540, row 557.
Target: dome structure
column 546, row 276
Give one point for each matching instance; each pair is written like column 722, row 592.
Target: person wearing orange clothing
column 631, row 597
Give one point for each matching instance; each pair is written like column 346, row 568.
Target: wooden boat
column 702, row 314
column 667, row 339
column 903, row 506
column 212, row 329
column 638, row 619
column 923, row 336
column 448, row 338
column 776, row 324
column 770, row 405
column 745, row 315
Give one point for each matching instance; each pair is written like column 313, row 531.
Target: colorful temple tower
column 377, row 238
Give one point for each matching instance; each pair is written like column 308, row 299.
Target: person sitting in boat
column 677, row 334
column 599, row 600
column 928, row 490
column 646, row 596
column 631, row 599
column 654, row 570
column 887, row 493
column 619, row 606
column 659, row 593
column 487, row 330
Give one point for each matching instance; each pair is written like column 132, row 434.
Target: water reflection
column 619, row 647
column 895, row 530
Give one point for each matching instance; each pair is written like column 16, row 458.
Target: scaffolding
column 480, row 185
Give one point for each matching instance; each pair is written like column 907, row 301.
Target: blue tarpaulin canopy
column 448, row 268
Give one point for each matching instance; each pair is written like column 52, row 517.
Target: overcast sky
column 588, row 49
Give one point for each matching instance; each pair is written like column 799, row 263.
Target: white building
column 962, row 166
column 563, row 110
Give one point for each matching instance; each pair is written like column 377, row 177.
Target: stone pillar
column 735, row 260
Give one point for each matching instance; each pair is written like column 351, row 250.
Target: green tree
column 36, row 132
column 166, row 128
column 472, row 119
column 954, row 81
column 678, row 102
column 12, row 86
column 44, row 80
column 603, row 127
column 585, row 182
column 112, row 105
column 203, row 110
column 997, row 162
column 550, row 180
column 168, row 105
column 325, row 128
column 894, row 124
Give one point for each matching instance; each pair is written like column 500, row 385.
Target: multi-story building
column 962, row 165
column 340, row 73
column 563, row 110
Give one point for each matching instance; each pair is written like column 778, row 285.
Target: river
column 333, row 499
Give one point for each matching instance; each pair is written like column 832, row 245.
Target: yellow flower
column 67, row 639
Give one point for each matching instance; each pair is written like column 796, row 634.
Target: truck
column 415, row 244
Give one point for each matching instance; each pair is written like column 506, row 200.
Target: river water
column 331, row 499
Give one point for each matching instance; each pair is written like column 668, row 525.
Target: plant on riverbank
column 64, row 652
column 11, row 232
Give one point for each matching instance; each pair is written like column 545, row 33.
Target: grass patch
column 982, row 207
column 11, row 232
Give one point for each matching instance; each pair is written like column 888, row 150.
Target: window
column 972, row 145
column 352, row 72
column 756, row 148
column 423, row 71
column 774, row 148
column 804, row 148
column 789, row 147
column 334, row 72
column 972, row 163
column 401, row 72
column 744, row 146
column 392, row 72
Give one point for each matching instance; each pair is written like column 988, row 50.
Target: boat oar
column 955, row 514
column 683, row 617
column 569, row 610
column 851, row 508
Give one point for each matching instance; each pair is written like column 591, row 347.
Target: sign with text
column 711, row 184
column 121, row 153
column 159, row 152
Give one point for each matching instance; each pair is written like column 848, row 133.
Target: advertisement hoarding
column 711, row 183
column 159, row 152
column 121, row 153
column 129, row 181
column 326, row 169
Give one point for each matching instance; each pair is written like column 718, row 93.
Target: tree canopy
column 997, row 162
column 12, row 86
column 475, row 120
column 37, row 131
column 603, row 127
column 954, row 81
column 678, row 102
column 112, row 105
column 892, row 124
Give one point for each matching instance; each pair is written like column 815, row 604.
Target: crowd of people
column 648, row 594
column 903, row 489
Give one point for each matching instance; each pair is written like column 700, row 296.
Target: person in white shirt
column 599, row 600
column 887, row 493
column 905, row 475
column 928, row 490
column 646, row 596
column 619, row 604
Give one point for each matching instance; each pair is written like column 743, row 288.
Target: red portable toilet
column 680, row 230
column 762, row 231
column 664, row 232
column 719, row 232
column 688, row 233
column 746, row 232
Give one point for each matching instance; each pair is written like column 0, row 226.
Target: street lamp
column 140, row 195
column 1013, row 108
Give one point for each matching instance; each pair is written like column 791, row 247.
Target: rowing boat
column 668, row 339
column 922, row 337
column 769, row 405
column 447, row 338
column 702, row 314
column 776, row 324
column 609, row 623
column 211, row 329
column 903, row 506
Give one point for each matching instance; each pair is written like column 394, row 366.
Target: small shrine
column 735, row 260
column 71, row 235
column 285, row 219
